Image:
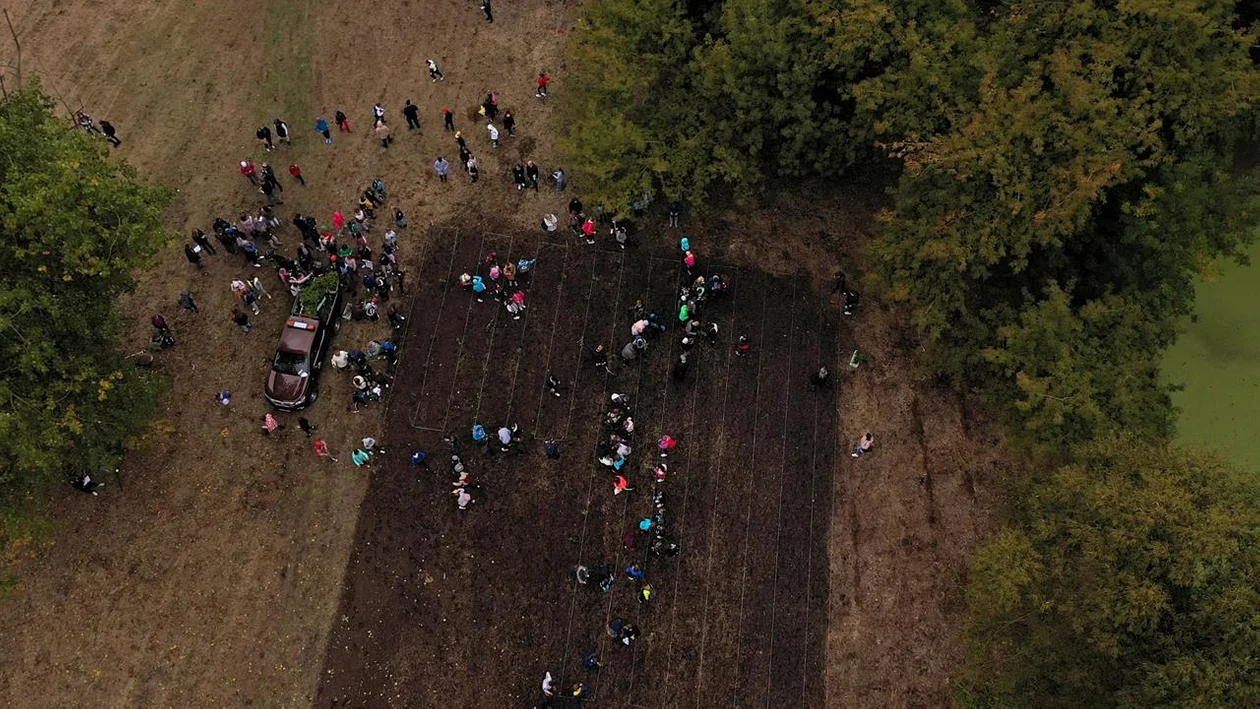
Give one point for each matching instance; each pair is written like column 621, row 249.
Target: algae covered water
column 1217, row 359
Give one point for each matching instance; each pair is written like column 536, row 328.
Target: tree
column 1128, row 578
column 74, row 226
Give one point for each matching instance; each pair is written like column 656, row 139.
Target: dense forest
column 1061, row 172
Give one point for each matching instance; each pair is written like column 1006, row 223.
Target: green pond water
column 1218, row 362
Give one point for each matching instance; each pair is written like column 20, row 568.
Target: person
column 531, row 173
column 249, row 171
column 85, row 483
column 360, row 457
column 600, row 357
column 307, row 427
column 666, row 444
column 343, row 123
column 559, row 179
column 543, row 80
column 591, row 662
column 743, row 346
column 434, row 72
column 270, row 424
column 551, row 448
column 321, row 127
column 635, row 572
column 646, row 593
column 675, row 213
column 681, row 367
column 462, row 497
column 282, row 131
column 548, row 685
column 412, row 113
column 505, row 438
column 553, row 385
column 264, row 135
column 821, row 378
column 518, row 176
column 186, row 301
column 193, row 254
column 448, row 118
column 382, row 132
column 109, row 131
column 321, row 450
column 840, row 283
column 620, row 485
column 296, row 172
column 241, row 320
column 485, row 7
column 578, row 692
column 864, row 445
column 479, row 435
column 378, row 114
column 851, row 299
column 224, row 398
column 509, row 122
column 473, row 171
column 494, row 135
column 629, row 633
column 588, row 230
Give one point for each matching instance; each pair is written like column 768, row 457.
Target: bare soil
column 235, row 569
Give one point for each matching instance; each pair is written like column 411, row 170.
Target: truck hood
column 287, row 389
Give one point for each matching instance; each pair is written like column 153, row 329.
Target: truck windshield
column 290, row 363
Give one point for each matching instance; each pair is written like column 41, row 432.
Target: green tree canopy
column 74, row 226
column 1128, row 578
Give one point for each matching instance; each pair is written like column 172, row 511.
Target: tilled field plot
column 469, row 608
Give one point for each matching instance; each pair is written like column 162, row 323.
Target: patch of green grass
column 290, row 44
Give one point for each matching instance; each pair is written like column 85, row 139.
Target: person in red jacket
column 297, row 174
column 250, row 172
column 543, row 80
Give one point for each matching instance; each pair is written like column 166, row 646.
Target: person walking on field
column 434, row 72
column 187, row 303
column 110, row 133
column 296, row 172
column 518, row 176
column 543, row 80
column 448, row 118
column 412, row 113
column 321, row 450
column 241, row 320
column 193, row 255
column 264, row 135
column 282, row 131
column 382, row 132
column 509, row 122
column 494, row 135
column 321, row 127
column 343, row 123
column 485, row 7
column 442, row 167
column 199, row 238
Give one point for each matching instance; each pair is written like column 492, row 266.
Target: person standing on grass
column 509, row 122
column 434, row 72
column 543, row 80
column 193, row 255
column 343, row 123
column 412, row 113
column 551, row 449
column 307, row 427
column 264, row 135
column 378, row 114
column 200, row 239
column 249, row 172
column 321, row 127
column 518, row 176
column 531, row 173
column 473, row 171
column 187, row 303
column 241, row 320
column 441, row 166
column 821, row 378
column 296, row 172
column 864, row 446
column 108, row 130
column 558, row 178
column 485, row 7
column 494, row 135
column 382, row 132
column 282, row 131
column 321, row 450
column 448, row 118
